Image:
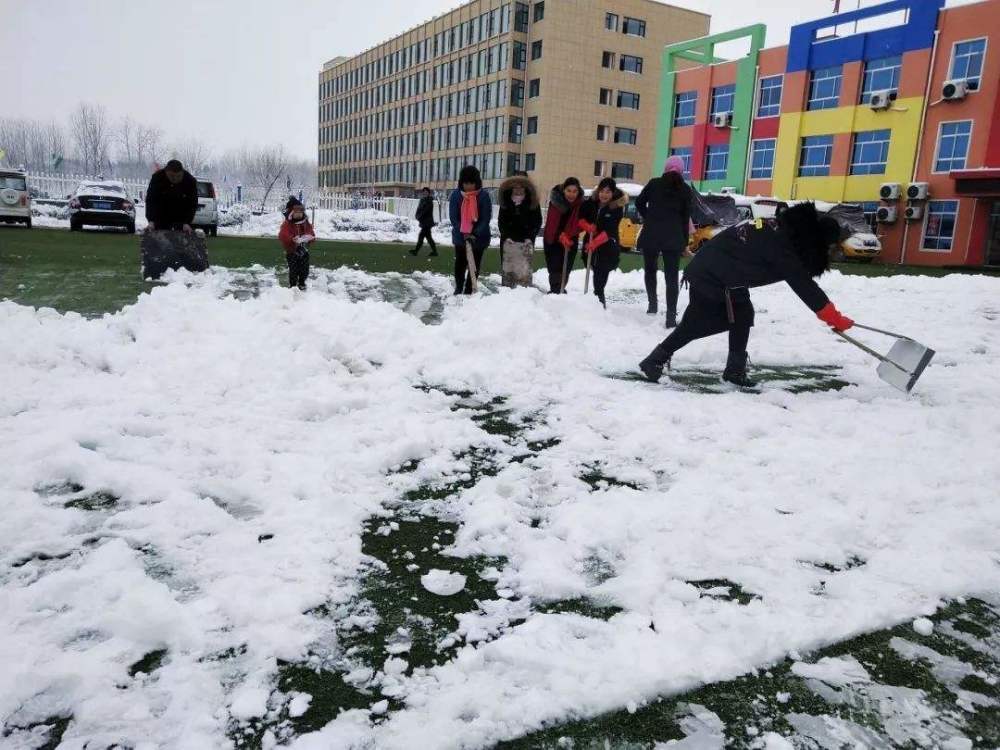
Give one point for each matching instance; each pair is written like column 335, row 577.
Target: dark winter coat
column 607, row 218
column 425, row 213
column 171, row 206
column 666, row 216
column 558, row 215
column 481, row 231
column 765, row 251
column 519, row 223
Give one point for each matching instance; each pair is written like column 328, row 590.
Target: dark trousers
column 708, row 313
column 671, row 272
column 298, row 268
column 463, row 279
column 425, row 233
column 605, row 261
column 554, row 255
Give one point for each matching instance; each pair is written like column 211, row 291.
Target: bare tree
column 14, row 141
column 193, row 154
column 150, row 139
column 92, row 136
column 55, row 143
column 264, row 167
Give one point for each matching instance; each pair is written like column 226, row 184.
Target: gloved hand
column 586, row 226
column 565, row 241
column 597, row 242
column 834, row 318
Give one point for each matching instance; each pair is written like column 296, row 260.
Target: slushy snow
column 211, row 422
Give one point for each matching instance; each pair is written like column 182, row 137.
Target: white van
column 207, row 216
column 15, row 200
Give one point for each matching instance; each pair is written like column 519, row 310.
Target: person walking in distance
column 470, row 210
column 603, row 213
column 425, row 218
column 296, row 235
column 171, row 198
column 665, row 207
column 562, row 230
column 794, row 248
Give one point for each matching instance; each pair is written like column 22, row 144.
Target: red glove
column 597, row 242
column 565, row 241
column 586, row 226
column 833, row 318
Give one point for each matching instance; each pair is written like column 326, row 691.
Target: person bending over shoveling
column 794, row 248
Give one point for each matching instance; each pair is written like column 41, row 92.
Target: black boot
column 671, row 319
column 600, row 298
column 414, row 251
column 736, row 371
column 653, row 308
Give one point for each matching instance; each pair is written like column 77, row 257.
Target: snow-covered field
column 361, row 225
column 191, row 478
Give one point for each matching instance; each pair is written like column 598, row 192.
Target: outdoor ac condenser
column 890, row 191
column 918, row 191
column 914, row 212
column 881, row 100
column 955, row 90
column 723, row 120
column 887, row 215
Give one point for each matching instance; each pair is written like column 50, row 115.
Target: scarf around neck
column 470, row 211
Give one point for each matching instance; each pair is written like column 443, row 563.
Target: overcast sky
column 234, row 72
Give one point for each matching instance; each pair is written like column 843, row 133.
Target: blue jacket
column 481, row 230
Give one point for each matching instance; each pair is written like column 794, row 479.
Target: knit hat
column 674, row 164
column 292, row 203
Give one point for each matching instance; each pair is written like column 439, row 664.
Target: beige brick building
column 552, row 87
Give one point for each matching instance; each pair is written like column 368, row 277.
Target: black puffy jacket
column 170, row 206
column 666, row 216
column 757, row 253
column 519, row 223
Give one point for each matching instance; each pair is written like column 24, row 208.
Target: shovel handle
column 884, row 333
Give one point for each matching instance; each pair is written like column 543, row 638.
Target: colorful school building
column 903, row 119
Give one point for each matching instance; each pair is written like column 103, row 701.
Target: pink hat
column 674, row 164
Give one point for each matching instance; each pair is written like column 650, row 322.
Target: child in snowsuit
column 562, row 231
column 295, row 236
column 794, row 248
column 470, row 210
column 603, row 213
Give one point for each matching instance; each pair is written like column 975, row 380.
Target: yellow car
column 630, row 227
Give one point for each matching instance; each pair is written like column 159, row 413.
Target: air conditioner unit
column 918, row 191
column 882, row 100
column 723, row 120
column 914, row 212
column 886, row 215
column 953, row 90
column 890, row 191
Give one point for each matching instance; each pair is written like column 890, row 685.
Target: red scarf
column 470, row 211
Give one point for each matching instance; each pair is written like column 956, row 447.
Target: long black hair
column 674, row 181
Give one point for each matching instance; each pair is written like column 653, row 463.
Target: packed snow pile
column 187, row 484
column 442, row 582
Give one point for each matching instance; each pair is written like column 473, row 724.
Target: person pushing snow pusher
column 296, row 235
column 794, row 248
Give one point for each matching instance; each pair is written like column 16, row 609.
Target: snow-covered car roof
column 103, row 187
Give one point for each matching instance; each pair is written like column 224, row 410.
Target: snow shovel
column 565, row 275
column 905, row 362
column 586, row 279
column 470, row 259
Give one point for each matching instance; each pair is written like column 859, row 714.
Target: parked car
column 207, row 217
column 102, row 204
column 857, row 240
column 15, row 199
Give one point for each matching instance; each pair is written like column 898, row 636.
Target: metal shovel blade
column 904, row 364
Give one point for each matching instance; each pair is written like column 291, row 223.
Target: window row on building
column 624, row 99
column 491, row 130
column 628, row 136
column 625, row 24
column 475, row 31
column 825, row 85
column 475, row 100
column 493, row 166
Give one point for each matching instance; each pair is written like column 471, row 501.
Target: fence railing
column 60, row 186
